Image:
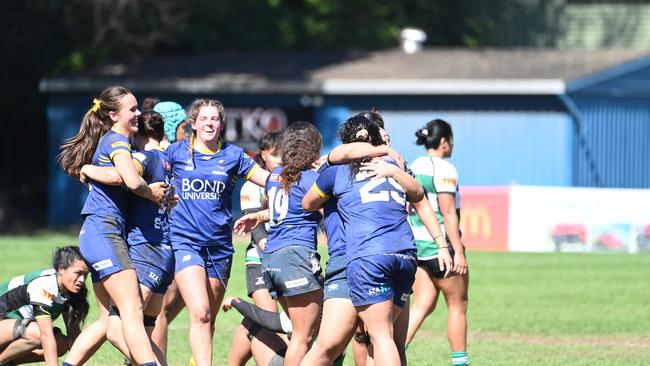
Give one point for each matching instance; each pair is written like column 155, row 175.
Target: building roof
column 431, row 71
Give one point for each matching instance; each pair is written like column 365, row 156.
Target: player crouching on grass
column 30, row 303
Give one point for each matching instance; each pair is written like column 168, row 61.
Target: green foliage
column 525, row 309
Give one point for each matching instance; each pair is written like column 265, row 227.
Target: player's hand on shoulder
column 379, row 168
column 399, row 159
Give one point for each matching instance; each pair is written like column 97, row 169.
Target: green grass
column 525, row 309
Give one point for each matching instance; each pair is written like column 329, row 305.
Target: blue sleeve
column 324, row 185
column 141, row 160
column 117, row 144
column 247, row 165
column 172, row 151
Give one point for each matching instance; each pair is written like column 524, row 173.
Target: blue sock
column 148, row 364
column 66, row 364
column 459, row 359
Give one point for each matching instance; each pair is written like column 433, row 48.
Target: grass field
column 525, row 309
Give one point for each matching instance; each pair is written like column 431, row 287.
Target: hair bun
column 362, row 134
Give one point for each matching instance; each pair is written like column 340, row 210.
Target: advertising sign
column 484, row 217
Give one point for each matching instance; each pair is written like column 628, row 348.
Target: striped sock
column 459, row 359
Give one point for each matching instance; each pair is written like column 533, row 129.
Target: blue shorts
column 103, row 246
column 336, row 279
column 154, row 265
column 380, row 277
column 216, row 264
column 292, row 270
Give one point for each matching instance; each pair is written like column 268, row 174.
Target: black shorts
column 433, row 267
column 254, row 278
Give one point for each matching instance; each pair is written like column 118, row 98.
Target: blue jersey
column 289, row 224
column 204, row 183
column 373, row 211
column 332, row 222
column 146, row 222
column 104, row 199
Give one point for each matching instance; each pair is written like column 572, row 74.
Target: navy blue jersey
column 104, row 199
column 289, row 224
column 146, row 222
column 373, row 211
column 204, row 183
column 332, row 222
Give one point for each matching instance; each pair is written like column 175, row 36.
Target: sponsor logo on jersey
column 47, row 295
column 274, row 177
column 190, row 164
column 201, row 188
column 106, row 263
column 296, row 283
column 450, row 181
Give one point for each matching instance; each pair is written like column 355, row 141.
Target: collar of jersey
column 114, row 130
column 208, row 151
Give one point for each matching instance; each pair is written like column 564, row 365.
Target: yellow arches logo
column 475, row 221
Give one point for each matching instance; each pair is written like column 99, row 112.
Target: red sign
column 484, row 217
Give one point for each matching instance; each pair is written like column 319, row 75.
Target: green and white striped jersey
column 435, row 175
column 32, row 295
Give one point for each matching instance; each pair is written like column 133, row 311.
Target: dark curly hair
column 373, row 115
column 301, row 144
column 359, row 129
column 431, row 134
